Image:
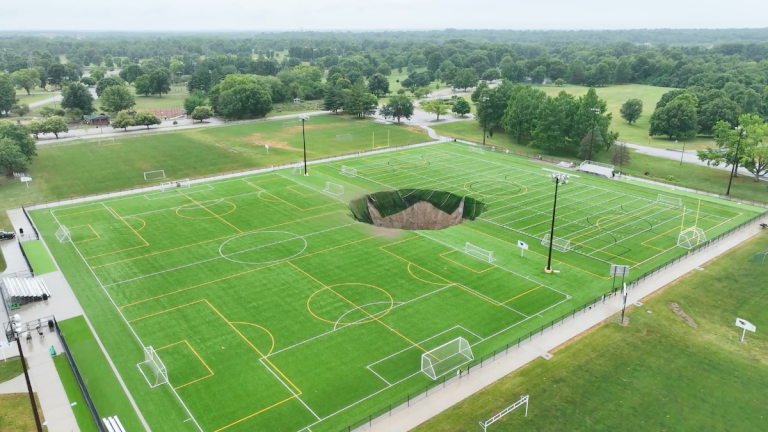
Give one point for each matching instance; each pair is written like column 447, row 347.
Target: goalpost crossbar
column 478, row 252
column 344, row 137
column 476, row 150
column 446, row 358
column 154, row 175
column 523, row 401
column 333, row 188
column 670, row 201
column 153, row 368
column 62, row 234
column 174, row 184
column 348, row 171
column 558, row 244
column 691, row 237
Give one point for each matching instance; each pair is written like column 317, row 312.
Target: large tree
column 436, row 107
column 333, row 100
column 11, row 158
column 55, row 125
column 146, row 118
column 631, row 110
column 523, row 112
column 464, row 79
column 143, row 85
column 401, row 106
column 461, row 107
column 131, row 72
column 123, row 120
column 26, row 79
column 117, row 98
column 378, row 84
column 107, row 82
column 716, row 110
column 245, row 100
column 19, row 134
column 194, row 100
column 202, row 112
column 678, row 119
column 7, row 94
column 160, row 81
column 56, row 73
column 76, row 95
column 750, row 139
column 358, row 102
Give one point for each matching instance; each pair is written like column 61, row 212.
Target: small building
column 296, row 100
column 97, row 120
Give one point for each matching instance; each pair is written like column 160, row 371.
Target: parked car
column 7, row 235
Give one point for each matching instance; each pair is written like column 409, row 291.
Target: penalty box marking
column 210, row 372
column 86, row 240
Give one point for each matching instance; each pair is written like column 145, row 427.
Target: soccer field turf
column 272, row 309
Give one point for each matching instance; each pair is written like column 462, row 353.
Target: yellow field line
column 520, row 295
column 77, row 213
column 210, row 372
column 87, row 240
column 301, row 193
column 255, row 414
column 209, row 211
column 267, row 331
column 613, row 222
column 418, row 278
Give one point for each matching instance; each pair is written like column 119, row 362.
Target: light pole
column 485, row 123
column 596, row 112
column 558, row 178
column 304, row 139
column 683, row 153
column 735, row 167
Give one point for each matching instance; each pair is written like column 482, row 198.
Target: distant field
column 657, row 374
column 34, row 97
column 174, row 99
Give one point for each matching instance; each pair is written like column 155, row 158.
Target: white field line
column 586, row 227
column 372, row 315
column 109, row 210
column 261, row 360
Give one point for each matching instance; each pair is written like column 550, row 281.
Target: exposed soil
column 420, row 216
column 259, row 139
column 682, row 315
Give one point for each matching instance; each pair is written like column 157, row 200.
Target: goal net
column 558, row 244
column 164, row 186
column 333, row 188
column 670, row 201
column 596, row 168
column 154, row 175
column 298, row 169
column 62, row 234
column 153, row 368
column 446, row 358
column 691, row 238
column 344, row 137
column 348, row 171
column 477, row 150
column 479, row 252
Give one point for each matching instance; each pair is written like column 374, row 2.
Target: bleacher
column 597, row 168
column 24, row 290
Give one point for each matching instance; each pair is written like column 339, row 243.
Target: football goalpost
column 373, row 141
column 691, row 238
column 446, row 358
column 344, row 137
column 62, row 234
column 348, row 171
column 478, row 252
column 333, row 188
column 153, row 368
column 154, row 175
column 558, row 244
column 174, row 184
column 670, row 201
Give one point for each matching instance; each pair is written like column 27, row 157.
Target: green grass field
column 10, row 368
column 82, row 414
column 39, row 257
column 656, row 374
column 16, row 414
column 263, row 291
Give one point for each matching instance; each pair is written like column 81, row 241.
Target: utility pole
column 558, row 178
column 735, row 167
column 304, row 139
column 596, row 112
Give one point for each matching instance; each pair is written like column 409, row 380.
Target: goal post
column 691, row 237
column 62, row 234
column 164, row 186
column 344, row 137
column 670, row 201
column 348, row 171
column 153, row 368
column 154, row 175
column 478, row 252
column 558, row 244
column 333, row 188
column 446, row 358
column 476, row 150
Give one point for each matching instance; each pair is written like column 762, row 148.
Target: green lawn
column 16, row 414
column 9, row 369
column 75, row 396
column 656, row 374
column 174, row 99
column 35, row 97
column 688, row 175
column 263, row 291
column 39, row 257
column 100, row 380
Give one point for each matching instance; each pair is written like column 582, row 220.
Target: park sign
column 745, row 325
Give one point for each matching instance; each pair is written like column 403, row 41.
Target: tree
column 434, row 61
column 384, row 69
column 97, row 74
column 479, row 92
column 194, row 100
column 123, row 120
column 107, row 82
column 715, row 110
column 20, row 109
column 74, row 114
column 461, row 107
column 202, row 112
column 559, row 82
column 56, row 73
column 358, row 102
column 436, row 107
column 378, row 84
column 7, row 94
column 36, row 128
column 245, row 100
column 621, row 156
column 631, row 110
column 464, row 79
column 131, row 72
column 19, row 134
column 88, row 81
column 117, row 98
column 55, row 125
column 46, row 112
column 334, row 99
column 11, row 158
column 146, row 118
column 401, row 106
column 143, row 85
column 78, row 96
column 160, row 81
column 523, row 112
column 538, row 75
column 26, row 79
column 623, row 72
column 678, row 119
column 554, row 129
column 751, row 140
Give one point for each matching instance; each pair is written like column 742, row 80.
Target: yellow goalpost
column 373, row 141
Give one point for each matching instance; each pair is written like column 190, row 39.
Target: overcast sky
column 261, row 15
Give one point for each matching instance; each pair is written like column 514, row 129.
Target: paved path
column 689, row 156
column 456, row 390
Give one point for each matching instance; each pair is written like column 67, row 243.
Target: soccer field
column 271, row 308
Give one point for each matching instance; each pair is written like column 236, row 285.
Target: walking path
column 689, row 156
column 458, row 389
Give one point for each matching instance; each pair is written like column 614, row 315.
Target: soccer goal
column 478, row 252
column 348, row 171
column 558, row 244
column 106, row 141
column 333, row 188
column 62, row 234
column 164, row 186
column 344, row 137
column 153, row 368
column 670, row 201
column 154, row 175
column 290, row 124
column 446, row 358
column 477, row 150
column 691, row 238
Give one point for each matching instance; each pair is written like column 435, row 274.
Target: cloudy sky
column 264, row 15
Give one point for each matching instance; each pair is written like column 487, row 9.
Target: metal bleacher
column 597, row 168
column 24, row 290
